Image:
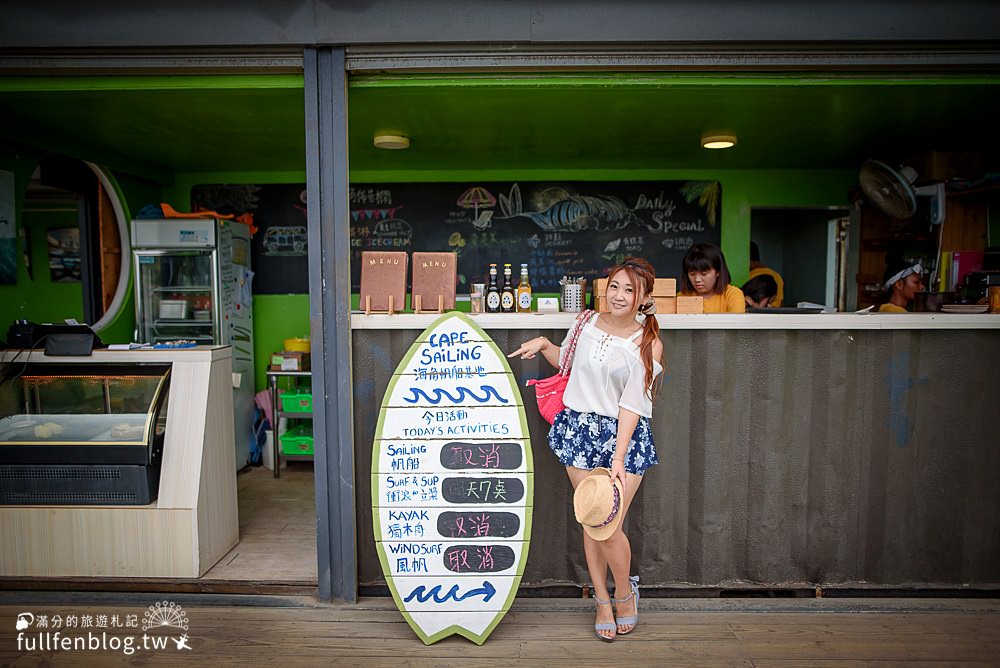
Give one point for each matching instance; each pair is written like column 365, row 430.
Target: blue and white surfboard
column 452, row 483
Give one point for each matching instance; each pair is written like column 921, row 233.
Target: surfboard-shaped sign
column 452, row 483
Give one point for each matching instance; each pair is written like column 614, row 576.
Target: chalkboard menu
column 576, row 228
column 279, row 249
column 452, row 483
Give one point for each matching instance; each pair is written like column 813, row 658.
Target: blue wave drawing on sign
column 441, row 394
column 423, row 595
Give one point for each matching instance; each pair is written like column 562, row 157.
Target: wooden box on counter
column 664, row 294
column 690, row 304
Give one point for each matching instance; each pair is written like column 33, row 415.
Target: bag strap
column 581, row 321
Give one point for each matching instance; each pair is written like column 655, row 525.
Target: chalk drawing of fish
column 582, row 212
column 452, row 483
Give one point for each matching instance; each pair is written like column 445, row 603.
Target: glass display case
column 82, row 433
column 177, row 295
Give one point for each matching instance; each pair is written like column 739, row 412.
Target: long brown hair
column 642, row 275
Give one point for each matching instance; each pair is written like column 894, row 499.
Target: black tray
column 783, row 309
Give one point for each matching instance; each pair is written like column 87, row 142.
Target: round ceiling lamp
column 718, row 141
column 391, row 141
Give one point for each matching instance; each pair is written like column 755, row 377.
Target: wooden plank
column 309, row 633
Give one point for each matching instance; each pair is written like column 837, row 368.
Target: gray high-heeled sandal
column 632, row 620
column 604, row 626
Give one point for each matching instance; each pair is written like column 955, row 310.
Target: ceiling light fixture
column 718, row 141
column 392, row 141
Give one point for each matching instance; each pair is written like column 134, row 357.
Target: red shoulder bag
column 549, row 391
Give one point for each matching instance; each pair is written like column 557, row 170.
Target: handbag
column 549, row 391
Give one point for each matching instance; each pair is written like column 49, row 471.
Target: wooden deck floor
column 293, row 632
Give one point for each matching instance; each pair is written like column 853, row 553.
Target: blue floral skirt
column 587, row 440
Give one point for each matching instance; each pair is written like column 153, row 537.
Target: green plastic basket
column 296, row 402
column 297, row 441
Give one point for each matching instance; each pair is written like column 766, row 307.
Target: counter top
column 838, row 321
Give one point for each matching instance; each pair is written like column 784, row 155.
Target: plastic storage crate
column 297, row 441
column 296, row 402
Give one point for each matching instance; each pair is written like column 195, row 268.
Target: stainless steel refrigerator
column 192, row 283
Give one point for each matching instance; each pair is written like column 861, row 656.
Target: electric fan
column 892, row 191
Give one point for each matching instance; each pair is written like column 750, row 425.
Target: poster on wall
column 64, row 254
column 8, row 237
column 452, row 483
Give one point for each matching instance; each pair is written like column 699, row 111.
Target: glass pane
column 68, row 406
column 177, row 298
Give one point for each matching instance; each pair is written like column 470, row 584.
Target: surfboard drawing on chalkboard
column 452, row 482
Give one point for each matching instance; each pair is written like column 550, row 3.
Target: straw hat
column 598, row 504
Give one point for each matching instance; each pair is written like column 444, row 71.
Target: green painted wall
column 277, row 317
column 36, row 297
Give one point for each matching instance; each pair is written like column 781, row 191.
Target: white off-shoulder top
column 607, row 373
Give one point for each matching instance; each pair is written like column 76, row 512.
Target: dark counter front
column 788, row 458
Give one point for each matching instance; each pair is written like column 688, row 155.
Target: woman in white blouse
column 609, row 401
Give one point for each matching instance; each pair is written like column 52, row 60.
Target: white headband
column 915, row 269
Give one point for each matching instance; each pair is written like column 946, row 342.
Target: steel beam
column 329, row 311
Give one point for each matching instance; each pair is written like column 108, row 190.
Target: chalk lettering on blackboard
column 365, row 195
column 496, row 456
column 461, row 392
column 479, row 558
column 678, row 243
column 493, row 524
column 393, row 227
column 482, row 490
column 657, row 203
column 422, row 594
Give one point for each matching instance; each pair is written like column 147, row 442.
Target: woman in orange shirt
column 706, row 275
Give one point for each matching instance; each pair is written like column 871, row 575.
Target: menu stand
column 369, row 310
column 417, row 305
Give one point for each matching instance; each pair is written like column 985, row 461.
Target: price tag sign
column 452, row 483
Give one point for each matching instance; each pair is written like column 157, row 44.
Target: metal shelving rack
column 272, row 383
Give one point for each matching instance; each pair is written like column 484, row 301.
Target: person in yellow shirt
column 760, row 291
column 757, row 268
column 706, row 275
column 903, row 281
